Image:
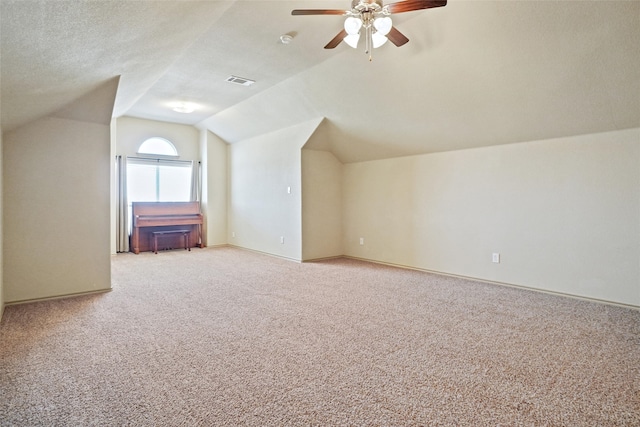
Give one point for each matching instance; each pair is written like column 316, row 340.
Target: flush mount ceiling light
column 184, row 107
column 372, row 19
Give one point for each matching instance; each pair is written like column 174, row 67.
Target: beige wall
column 265, row 191
column 321, row 205
column 131, row 132
column 112, row 180
column 1, row 235
column 563, row 214
column 214, row 188
column 56, row 209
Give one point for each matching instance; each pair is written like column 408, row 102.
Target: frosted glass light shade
column 378, row 40
column 382, row 25
column 352, row 40
column 352, row 25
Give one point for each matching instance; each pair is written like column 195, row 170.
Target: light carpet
column 224, row 336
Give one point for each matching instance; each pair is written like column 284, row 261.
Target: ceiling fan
column 374, row 18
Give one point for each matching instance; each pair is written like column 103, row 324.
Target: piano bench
column 185, row 233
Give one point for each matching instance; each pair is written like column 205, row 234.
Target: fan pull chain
column 369, row 44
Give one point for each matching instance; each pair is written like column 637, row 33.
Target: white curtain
column 122, row 229
column 196, row 188
column 196, row 181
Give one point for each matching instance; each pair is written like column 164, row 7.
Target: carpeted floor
column 222, row 336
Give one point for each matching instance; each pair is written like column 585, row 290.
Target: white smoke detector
column 286, row 38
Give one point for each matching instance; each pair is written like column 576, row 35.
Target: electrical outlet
column 362, row 240
column 496, row 258
column 233, row 234
column 282, row 239
column 288, row 190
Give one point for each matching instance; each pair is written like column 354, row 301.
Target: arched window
column 158, row 146
column 154, row 177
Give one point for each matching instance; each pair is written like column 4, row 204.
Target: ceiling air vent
column 240, row 81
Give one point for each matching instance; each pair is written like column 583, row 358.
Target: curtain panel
column 122, row 227
column 196, row 182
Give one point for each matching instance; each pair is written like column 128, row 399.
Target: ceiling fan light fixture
column 352, row 40
column 378, row 40
column 373, row 17
column 382, row 25
column 352, row 25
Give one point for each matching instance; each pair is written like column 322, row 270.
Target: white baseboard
column 511, row 285
column 73, row 295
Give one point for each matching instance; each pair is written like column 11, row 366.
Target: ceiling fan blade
column 396, row 37
column 410, row 5
column 318, row 12
column 336, row 40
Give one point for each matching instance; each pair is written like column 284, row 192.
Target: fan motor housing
column 367, row 5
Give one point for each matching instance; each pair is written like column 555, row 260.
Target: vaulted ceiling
column 475, row 73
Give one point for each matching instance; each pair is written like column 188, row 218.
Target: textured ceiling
column 475, row 73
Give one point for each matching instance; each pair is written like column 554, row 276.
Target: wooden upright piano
column 148, row 217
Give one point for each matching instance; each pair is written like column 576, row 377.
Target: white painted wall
column 112, row 191
column 1, row 233
column 214, row 188
column 321, row 205
column 131, row 132
column 56, row 209
column 261, row 210
column 564, row 214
